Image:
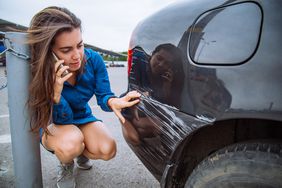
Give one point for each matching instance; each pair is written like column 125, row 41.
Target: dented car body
column 210, row 77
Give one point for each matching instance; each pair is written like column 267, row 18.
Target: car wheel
column 245, row 165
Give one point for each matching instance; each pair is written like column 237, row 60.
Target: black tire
column 245, row 165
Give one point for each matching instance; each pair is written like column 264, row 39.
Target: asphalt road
column 124, row 171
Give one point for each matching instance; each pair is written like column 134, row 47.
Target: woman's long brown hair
column 44, row 28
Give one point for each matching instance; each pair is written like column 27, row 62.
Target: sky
column 107, row 24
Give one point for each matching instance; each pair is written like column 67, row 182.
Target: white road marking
column 4, row 116
column 4, row 139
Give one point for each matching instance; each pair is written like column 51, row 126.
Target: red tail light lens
column 129, row 61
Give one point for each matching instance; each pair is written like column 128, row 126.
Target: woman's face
column 69, row 47
column 161, row 65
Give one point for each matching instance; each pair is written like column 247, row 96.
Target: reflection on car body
column 161, row 74
column 211, row 93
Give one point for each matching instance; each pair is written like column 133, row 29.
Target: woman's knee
column 108, row 149
column 70, row 147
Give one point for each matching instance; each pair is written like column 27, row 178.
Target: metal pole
column 25, row 145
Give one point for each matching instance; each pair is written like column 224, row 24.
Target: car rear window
column 227, row 35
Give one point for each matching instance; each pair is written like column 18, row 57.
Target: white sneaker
column 65, row 178
column 83, row 162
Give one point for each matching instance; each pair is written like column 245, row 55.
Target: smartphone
column 61, row 65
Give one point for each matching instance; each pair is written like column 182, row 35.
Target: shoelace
column 64, row 171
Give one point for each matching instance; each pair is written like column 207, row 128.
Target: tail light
column 129, row 60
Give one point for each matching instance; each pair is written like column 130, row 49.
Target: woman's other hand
column 59, row 79
column 117, row 104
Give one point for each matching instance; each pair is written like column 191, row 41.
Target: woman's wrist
column 111, row 102
column 56, row 99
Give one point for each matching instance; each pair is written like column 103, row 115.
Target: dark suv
column 211, row 108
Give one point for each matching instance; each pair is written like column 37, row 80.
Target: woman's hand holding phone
column 61, row 75
column 60, row 66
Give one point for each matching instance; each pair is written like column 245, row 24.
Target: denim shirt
column 73, row 107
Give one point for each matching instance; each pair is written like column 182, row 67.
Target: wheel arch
column 197, row 146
